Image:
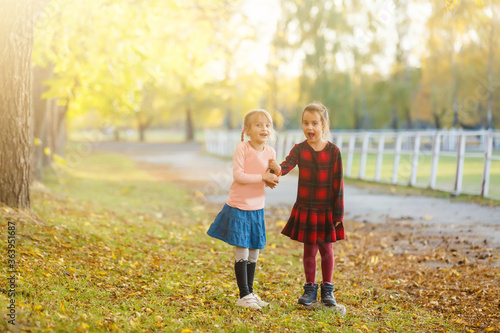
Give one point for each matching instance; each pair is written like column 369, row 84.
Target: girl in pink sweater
column 241, row 221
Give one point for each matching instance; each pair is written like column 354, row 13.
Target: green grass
column 109, row 248
column 472, row 174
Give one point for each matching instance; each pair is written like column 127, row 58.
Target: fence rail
column 455, row 161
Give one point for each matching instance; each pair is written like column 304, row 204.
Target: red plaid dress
column 320, row 194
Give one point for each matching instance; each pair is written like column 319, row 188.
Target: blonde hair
column 323, row 113
column 247, row 122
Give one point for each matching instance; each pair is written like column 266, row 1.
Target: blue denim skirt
column 244, row 228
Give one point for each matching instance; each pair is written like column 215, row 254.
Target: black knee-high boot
column 240, row 268
column 250, row 275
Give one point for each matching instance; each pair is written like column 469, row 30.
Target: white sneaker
column 260, row 302
column 249, row 301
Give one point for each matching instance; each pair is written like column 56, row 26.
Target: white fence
column 442, row 155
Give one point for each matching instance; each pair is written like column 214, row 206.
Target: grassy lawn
column 107, row 247
column 472, row 174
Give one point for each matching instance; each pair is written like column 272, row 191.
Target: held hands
column 270, row 179
column 273, row 165
column 274, row 168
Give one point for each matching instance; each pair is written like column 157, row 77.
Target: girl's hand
column 273, row 165
column 337, row 223
column 270, row 185
column 270, row 179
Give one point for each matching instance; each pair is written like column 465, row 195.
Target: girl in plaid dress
column 317, row 216
column 241, row 221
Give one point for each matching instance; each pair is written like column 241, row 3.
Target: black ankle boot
column 310, row 294
column 327, row 297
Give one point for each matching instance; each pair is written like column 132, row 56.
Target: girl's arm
column 291, row 160
column 239, row 174
column 338, row 190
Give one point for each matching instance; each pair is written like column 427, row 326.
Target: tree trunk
column 437, row 117
column 357, row 116
column 116, row 132
column 229, row 119
column 142, row 130
column 409, row 121
column 40, row 116
column 60, row 129
column 395, row 121
column 454, row 85
column 16, row 44
column 189, row 125
column 490, row 79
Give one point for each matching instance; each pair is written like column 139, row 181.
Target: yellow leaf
column 59, row 159
column 37, row 307
column 490, row 329
column 61, row 316
column 38, row 142
column 280, row 223
column 186, row 331
column 113, row 256
column 62, row 308
column 46, row 151
column 366, row 328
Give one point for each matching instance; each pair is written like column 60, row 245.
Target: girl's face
column 260, row 129
column 312, row 126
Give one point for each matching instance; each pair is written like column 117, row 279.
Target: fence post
column 414, row 162
column 289, row 143
column 380, row 156
column 397, row 155
column 220, row 147
column 435, row 159
column 460, row 164
column 487, row 163
column 338, row 142
column 364, row 152
column 280, row 148
column 352, row 141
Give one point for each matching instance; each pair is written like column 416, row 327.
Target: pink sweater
column 247, row 192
